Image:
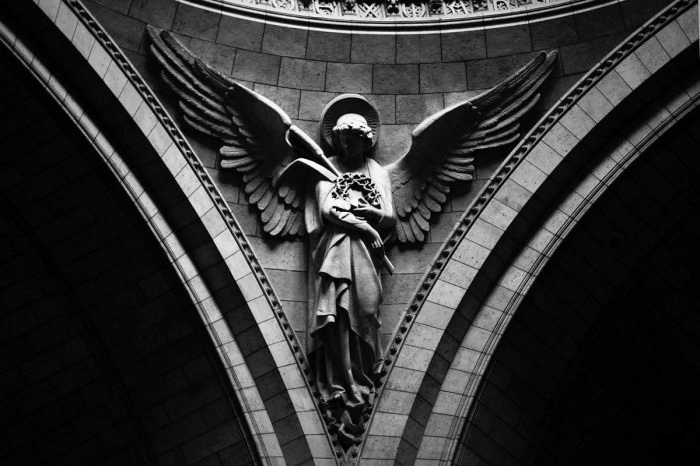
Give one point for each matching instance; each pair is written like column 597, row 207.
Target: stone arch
column 601, row 350
column 493, row 255
column 104, row 356
column 91, row 75
column 84, row 72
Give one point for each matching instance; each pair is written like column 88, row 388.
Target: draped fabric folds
column 345, row 294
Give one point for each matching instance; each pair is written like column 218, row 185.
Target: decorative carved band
column 392, row 9
column 396, row 16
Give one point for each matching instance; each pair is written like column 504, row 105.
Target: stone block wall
column 407, row 76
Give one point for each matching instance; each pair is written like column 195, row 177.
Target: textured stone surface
column 196, row 22
column 127, row 31
column 395, row 79
column 341, row 77
column 415, row 108
column 442, row 77
column 160, row 13
column 240, row 33
column 590, row 24
column 256, row 67
column 467, row 45
column 420, row 48
column 302, row 74
column 508, row 40
column 553, row 33
column 328, row 46
column 287, row 42
column 369, row 48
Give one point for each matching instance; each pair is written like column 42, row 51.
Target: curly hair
column 353, row 122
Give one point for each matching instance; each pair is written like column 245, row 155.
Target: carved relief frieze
column 370, row 10
column 458, row 7
column 289, row 5
column 411, row 9
column 392, row 7
column 436, row 7
column 326, row 7
column 349, row 7
column 480, row 6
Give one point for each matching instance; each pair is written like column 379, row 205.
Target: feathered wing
column 258, row 138
column 444, row 145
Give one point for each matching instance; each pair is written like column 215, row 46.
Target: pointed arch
column 85, row 73
column 530, row 204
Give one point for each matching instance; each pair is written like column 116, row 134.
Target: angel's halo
column 342, row 105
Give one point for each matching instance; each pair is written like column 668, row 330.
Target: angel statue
column 349, row 205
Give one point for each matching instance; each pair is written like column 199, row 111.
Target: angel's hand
column 366, row 211
column 375, row 243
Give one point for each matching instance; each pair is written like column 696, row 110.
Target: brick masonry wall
column 103, row 357
column 599, row 364
column 408, row 77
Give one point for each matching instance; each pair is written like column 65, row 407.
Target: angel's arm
column 384, row 217
column 388, row 221
column 339, row 212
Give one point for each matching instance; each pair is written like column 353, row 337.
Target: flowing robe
column 345, row 293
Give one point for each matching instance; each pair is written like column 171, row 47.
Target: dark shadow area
column 600, row 364
column 103, row 356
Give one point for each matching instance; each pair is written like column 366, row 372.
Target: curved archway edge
column 530, row 204
column 87, row 75
column 473, row 288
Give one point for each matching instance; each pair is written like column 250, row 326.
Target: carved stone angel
column 348, row 203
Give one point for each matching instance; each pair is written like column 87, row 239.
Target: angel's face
column 352, row 145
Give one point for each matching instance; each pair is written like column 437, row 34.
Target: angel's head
column 351, row 133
